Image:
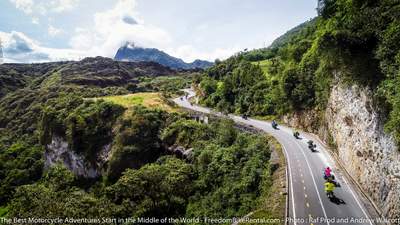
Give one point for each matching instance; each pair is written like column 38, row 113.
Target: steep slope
column 97, row 71
column 15, row 76
column 102, row 72
column 137, row 54
column 48, row 118
column 337, row 76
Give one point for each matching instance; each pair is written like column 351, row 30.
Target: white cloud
column 54, row 31
column 17, row 47
column 42, row 7
column 63, row 5
column 115, row 27
column 25, row 5
column 111, row 29
column 35, row 20
column 190, row 53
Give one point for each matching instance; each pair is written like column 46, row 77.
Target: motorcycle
column 274, row 125
column 296, row 134
column 331, row 179
column 330, row 194
column 312, row 146
column 244, row 116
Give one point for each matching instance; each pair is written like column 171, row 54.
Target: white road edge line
column 291, row 184
column 358, row 202
column 347, row 183
column 315, row 184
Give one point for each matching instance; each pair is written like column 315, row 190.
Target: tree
column 137, row 141
column 155, row 190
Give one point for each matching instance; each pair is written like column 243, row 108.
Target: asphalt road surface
column 308, row 203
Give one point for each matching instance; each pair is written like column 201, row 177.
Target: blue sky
column 48, row 30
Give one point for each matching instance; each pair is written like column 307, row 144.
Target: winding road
column 307, row 203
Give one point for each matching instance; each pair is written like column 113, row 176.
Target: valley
column 250, row 138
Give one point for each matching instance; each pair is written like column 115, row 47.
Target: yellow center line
column 308, row 205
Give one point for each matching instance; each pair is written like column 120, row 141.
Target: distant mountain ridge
column 136, row 54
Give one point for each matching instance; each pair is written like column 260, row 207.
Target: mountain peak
column 130, row 52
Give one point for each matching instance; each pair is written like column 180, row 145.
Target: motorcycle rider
column 296, row 134
column 329, row 188
column 274, row 124
column 311, row 145
column 328, row 172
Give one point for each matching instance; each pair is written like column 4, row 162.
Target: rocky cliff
column 58, row 151
column 352, row 125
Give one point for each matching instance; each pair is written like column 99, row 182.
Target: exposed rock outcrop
column 368, row 153
column 181, row 152
column 352, row 124
column 58, row 151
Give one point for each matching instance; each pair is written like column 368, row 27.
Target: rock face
column 58, row 151
column 352, row 124
column 368, row 153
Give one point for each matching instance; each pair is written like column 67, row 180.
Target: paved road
column 308, row 203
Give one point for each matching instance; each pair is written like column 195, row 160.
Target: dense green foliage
column 230, row 179
column 286, row 81
column 141, row 176
column 137, row 140
column 21, row 164
column 41, row 101
column 225, row 177
column 241, row 90
column 350, row 41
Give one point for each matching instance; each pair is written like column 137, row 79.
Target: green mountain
column 337, row 76
column 69, row 151
column 138, row 54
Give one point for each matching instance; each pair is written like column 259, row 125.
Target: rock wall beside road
column 352, row 125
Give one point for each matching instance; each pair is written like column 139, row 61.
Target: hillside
column 98, row 138
column 337, row 76
column 26, row 88
column 138, row 54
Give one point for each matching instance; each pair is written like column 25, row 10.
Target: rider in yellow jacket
column 329, row 186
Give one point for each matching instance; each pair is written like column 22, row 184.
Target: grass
column 52, row 80
column 147, row 99
column 267, row 118
column 3, row 211
column 264, row 64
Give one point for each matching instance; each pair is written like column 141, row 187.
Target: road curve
column 308, row 203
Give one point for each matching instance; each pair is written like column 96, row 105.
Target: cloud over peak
column 113, row 28
column 105, row 30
